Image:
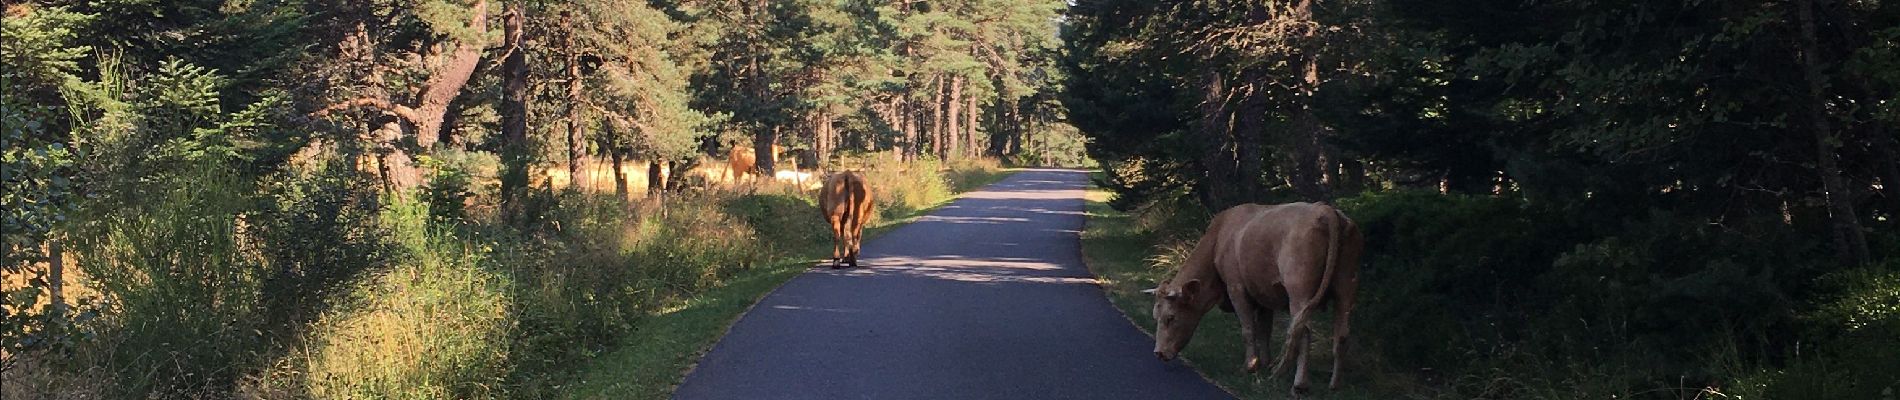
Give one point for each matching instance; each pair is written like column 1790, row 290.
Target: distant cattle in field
column 743, row 160
column 1257, row 258
column 846, row 203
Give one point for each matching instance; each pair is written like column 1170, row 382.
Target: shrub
column 318, row 231
column 435, row 326
column 1852, row 326
column 906, row 188
column 966, row 174
column 182, row 290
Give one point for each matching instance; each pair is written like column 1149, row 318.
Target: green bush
column 1854, row 347
column 904, row 189
column 318, row 230
column 182, row 288
column 1507, row 299
column 437, row 325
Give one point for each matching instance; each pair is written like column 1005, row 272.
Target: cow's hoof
column 1299, row 391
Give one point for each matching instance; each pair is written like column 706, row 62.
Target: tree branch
column 403, row 111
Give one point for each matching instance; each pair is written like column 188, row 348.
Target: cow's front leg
column 1250, row 323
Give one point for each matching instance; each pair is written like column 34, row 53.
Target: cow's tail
column 1333, row 226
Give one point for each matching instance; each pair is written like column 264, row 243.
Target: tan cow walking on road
column 1258, row 258
column 846, row 202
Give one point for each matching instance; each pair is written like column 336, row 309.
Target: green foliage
column 1853, row 321
column 455, row 182
column 1561, row 199
column 319, row 230
column 182, row 291
column 1061, row 145
column 434, row 326
column 36, row 197
column 39, row 48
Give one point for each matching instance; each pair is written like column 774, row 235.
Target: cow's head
column 1178, row 310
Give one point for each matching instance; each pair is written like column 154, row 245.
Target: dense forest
column 1562, row 199
column 376, row 199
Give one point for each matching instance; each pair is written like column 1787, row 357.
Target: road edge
column 1082, row 254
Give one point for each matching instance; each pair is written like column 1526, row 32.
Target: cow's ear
column 1191, row 289
column 1150, row 290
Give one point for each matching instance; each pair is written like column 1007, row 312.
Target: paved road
column 987, row 298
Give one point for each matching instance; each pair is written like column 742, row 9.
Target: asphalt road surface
column 987, row 298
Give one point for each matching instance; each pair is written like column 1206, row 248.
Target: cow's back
column 1262, row 246
column 845, row 193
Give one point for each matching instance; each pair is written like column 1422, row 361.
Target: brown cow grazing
column 846, row 202
column 743, row 161
column 1258, row 258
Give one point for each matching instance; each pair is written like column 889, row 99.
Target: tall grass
column 182, row 287
column 306, row 285
column 434, row 326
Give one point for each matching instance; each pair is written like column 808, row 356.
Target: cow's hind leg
column 1250, row 324
column 1296, row 338
column 1342, row 314
column 1296, row 344
column 838, row 243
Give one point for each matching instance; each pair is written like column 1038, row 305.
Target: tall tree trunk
column 766, row 161
column 656, row 181
column 675, row 179
column 953, row 133
column 1217, row 157
column 936, row 117
column 514, row 106
column 620, row 173
column 1249, row 136
column 576, row 144
column 969, row 126
column 907, row 117
column 1306, row 173
column 827, row 141
column 1850, row 243
column 1016, row 130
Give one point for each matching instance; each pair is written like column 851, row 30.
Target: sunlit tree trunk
column 969, row 125
column 953, row 133
column 937, row 116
